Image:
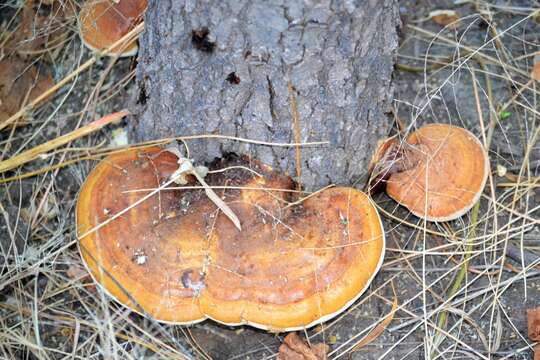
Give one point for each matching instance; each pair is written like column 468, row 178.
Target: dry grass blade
column 35, row 152
column 294, row 110
column 186, row 167
column 461, row 276
column 219, row 203
column 93, row 155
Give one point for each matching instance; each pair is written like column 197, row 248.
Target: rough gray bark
column 233, row 80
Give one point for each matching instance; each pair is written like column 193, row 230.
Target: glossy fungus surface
column 442, row 174
column 176, row 258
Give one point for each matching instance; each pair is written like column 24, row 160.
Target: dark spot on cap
column 193, row 280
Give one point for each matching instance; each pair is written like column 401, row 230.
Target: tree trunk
column 222, row 67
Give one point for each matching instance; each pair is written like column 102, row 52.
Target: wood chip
column 535, row 72
column 501, row 170
column 294, row 348
column 445, row 17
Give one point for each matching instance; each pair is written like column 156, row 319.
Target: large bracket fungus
column 176, row 258
column 438, row 172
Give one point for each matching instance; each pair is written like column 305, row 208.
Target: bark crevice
column 339, row 57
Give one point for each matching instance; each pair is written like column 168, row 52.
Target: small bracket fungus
column 103, row 22
column 438, row 172
column 290, row 267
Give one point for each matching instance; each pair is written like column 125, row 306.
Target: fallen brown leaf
column 445, row 17
column 378, row 330
column 41, row 28
column 19, row 84
column 294, row 348
column 533, row 328
column 533, row 323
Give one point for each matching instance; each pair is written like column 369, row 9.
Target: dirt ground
column 49, row 307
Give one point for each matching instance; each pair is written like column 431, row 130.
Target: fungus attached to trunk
column 176, row 258
column 438, row 172
column 103, row 22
